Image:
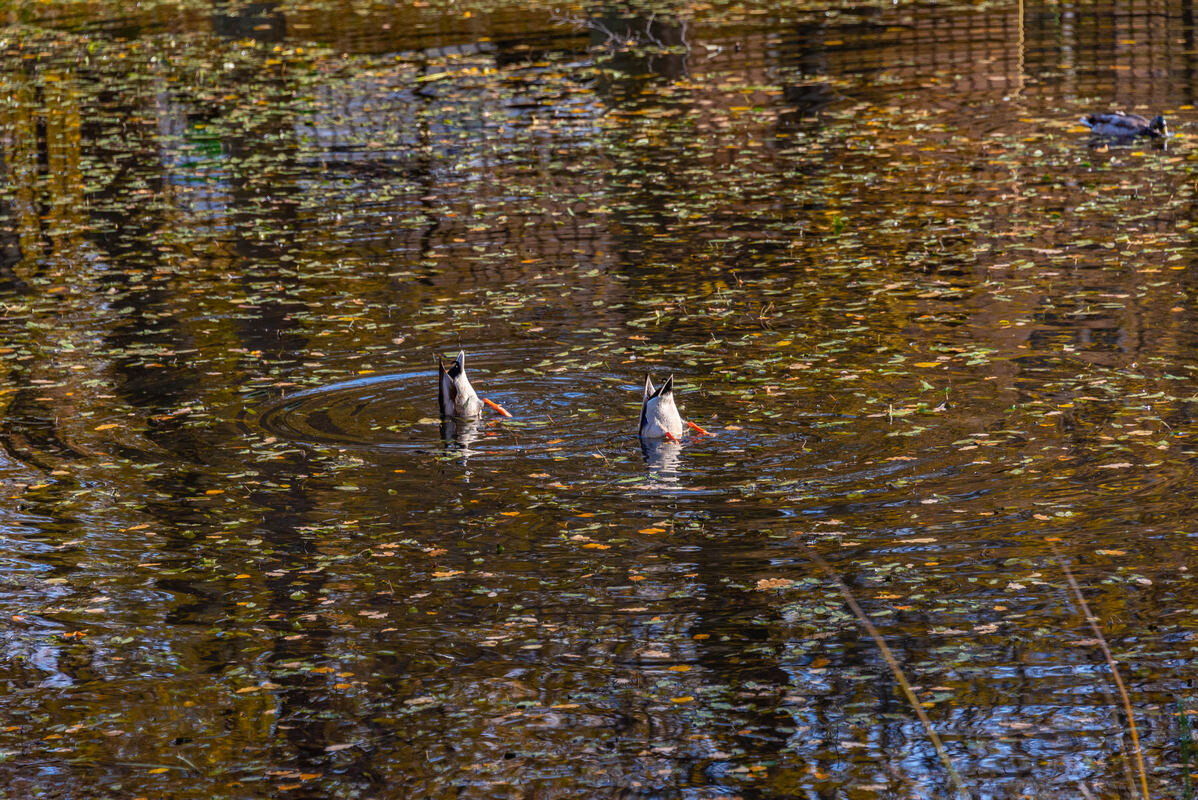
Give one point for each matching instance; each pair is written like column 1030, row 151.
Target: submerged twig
column 1110, row 660
column 894, row 668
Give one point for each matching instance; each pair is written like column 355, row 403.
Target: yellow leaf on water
column 927, row 363
column 685, row 699
column 1111, row 552
column 773, row 583
column 509, row 513
column 159, row 770
column 597, row 546
column 106, row 427
column 652, row 530
column 680, row 668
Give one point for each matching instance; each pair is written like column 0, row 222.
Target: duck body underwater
column 660, row 418
column 659, row 413
column 455, row 394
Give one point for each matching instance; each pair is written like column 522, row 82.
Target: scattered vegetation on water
column 928, row 327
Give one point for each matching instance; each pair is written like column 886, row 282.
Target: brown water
column 940, row 337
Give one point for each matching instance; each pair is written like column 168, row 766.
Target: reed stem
column 1114, row 665
column 894, row 668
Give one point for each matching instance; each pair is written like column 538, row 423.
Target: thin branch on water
column 1187, row 747
column 582, row 23
column 894, row 668
column 1129, row 773
column 1114, row 665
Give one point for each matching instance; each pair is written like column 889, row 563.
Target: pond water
column 944, row 344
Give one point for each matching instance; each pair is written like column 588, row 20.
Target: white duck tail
column 456, row 396
column 659, row 413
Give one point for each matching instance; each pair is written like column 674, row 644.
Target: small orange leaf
column 651, row 530
column 106, row 427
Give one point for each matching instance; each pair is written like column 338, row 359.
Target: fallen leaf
column 773, row 583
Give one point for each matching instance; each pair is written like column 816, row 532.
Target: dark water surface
column 941, row 338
